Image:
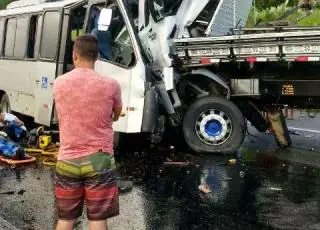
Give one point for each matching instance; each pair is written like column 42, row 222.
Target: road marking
column 304, row 130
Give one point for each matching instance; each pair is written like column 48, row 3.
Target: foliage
column 268, row 14
column 285, row 11
column 311, row 20
column 264, row 4
column 3, row 3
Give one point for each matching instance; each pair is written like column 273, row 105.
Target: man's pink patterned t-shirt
column 85, row 102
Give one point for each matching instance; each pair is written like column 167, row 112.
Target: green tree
column 264, row 4
column 3, row 3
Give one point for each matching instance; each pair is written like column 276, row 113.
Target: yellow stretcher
column 44, row 150
column 48, row 155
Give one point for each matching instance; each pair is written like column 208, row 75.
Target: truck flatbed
column 251, row 45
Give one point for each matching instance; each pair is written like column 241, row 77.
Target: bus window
column 75, row 29
column 115, row 44
column 21, row 37
column 38, row 37
column 50, row 35
column 32, row 36
column 1, row 35
column 10, row 37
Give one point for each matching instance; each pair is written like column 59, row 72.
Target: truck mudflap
column 253, row 114
column 151, row 111
column 279, row 128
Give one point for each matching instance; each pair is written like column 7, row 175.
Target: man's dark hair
column 87, row 47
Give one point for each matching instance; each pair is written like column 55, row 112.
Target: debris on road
column 177, row 163
column 204, row 188
column 232, row 162
column 21, row 192
column 275, row 189
column 7, row 193
column 295, row 133
column 125, row 186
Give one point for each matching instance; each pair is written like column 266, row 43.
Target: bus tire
column 214, row 125
column 5, row 104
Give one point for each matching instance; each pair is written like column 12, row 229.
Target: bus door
column 47, row 65
column 120, row 59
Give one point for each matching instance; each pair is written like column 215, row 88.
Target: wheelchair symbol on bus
column 44, row 82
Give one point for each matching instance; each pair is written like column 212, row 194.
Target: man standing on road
column 87, row 104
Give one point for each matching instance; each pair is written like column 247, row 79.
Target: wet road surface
column 266, row 189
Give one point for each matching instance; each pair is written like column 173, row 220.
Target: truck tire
column 214, row 125
column 5, row 104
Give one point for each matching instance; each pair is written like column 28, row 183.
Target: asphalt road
column 268, row 188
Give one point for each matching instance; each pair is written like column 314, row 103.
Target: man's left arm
column 117, row 105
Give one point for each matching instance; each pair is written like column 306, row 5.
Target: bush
column 269, row 14
column 4, row 3
column 264, row 4
column 311, row 20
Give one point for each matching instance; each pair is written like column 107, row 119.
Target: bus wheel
column 5, row 104
column 214, row 125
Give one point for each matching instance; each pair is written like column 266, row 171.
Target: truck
column 186, row 67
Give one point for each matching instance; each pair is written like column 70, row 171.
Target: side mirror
column 104, row 19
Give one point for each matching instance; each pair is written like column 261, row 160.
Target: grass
column 311, row 20
column 295, row 18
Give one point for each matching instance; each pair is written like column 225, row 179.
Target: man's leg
column 98, row 225
column 101, row 190
column 65, row 224
column 69, row 193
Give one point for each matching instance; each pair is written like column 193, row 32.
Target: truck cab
column 184, row 100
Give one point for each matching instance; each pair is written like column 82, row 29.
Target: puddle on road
column 261, row 191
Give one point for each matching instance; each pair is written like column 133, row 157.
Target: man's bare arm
column 116, row 114
column 117, row 106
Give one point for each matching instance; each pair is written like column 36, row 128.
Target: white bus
column 36, row 40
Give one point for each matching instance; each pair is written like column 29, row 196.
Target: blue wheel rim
column 213, row 128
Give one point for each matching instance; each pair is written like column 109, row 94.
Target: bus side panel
column 18, row 83
column 46, row 73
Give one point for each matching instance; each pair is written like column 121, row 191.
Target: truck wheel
column 5, row 104
column 214, row 125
